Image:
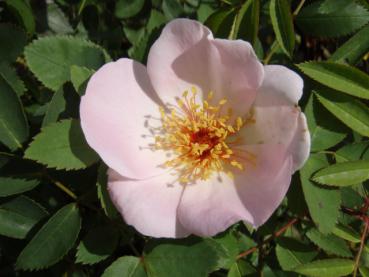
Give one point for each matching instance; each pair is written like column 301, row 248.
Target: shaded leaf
column 329, row 243
column 346, row 233
column 352, row 152
column 246, row 25
column 102, row 193
column 241, row 268
column 52, row 241
column 127, row 8
column 79, row 77
column 292, row 253
column 62, row 145
column 12, row 79
column 343, row 174
column 323, row 204
column 340, row 18
column 18, row 216
column 340, row 77
column 126, row 266
column 221, row 22
column 24, row 12
column 350, row 111
column 57, row 20
column 12, row 42
column 353, row 50
column 13, row 124
column 364, row 271
column 327, row 268
column 64, row 104
column 97, row 245
column 11, row 186
column 172, row 8
column 325, row 130
column 282, row 22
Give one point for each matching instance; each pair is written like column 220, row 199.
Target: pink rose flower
column 202, row 137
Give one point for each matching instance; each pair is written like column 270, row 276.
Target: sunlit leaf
column 327, row 268
column 343, row 174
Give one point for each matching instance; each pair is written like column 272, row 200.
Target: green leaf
column 13, row 123
column 54, row 108
column 343, row 174
column 250, row 25
column 327, row 268
column 221, row 22
column 126, row 266
column 57, row 20
column 189, row 257
column 350, row 111
column 102, row 193
column 8, row 74
column 241, row 268
column 52, row 241
column 12, row 42
column 97, row 245
column 172, row 9
column 50, row 58
column 325, row 130
column 323, row 204
column 11, row 186
column 24, row 12
column 62, row 145
column 341, row 18
column 127, row 8
column 246, row 25
column 79, row 77
column 340, row 77
column 346, row 233
column 229, row 242
column 353, row 50
column 282, row 22
column 292, row 253
column 353, row 152
column 329, row 243
column 364, row 271
column 239, row 18
column 204, row 11
column 19, row 216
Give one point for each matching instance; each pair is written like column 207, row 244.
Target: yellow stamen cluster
column 199, row 137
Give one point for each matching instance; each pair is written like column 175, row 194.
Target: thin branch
column 65, row 189
column 362, row 242
column 275, row 235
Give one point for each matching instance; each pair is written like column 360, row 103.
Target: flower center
column 202, row 138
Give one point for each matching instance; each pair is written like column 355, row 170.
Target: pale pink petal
column 277, row 118
column 300, row 145
column 115, row 119
column 281, row 86
column 149, row 205
column 178, row 36
column 271, row 125
column 186, row 55
column 209, row 207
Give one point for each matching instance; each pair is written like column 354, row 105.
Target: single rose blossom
column 202, row 137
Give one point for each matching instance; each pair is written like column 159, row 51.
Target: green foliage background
column 56, row 218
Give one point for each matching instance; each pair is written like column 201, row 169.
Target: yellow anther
column 222, row 102
column 198, row 137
